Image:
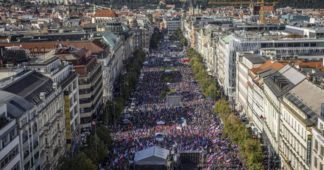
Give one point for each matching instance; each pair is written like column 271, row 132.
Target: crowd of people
column 190, row 126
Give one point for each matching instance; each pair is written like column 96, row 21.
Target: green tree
column 212, row 91
column 97, row 150
column 104, row 135
column 155, row 38
column 79, row 162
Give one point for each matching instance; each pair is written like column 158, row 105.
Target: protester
column 202, row 130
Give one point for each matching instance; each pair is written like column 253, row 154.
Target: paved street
column 148, row 121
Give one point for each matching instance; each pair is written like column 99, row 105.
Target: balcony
column 3, row 122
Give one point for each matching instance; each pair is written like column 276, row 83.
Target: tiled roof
column 105, row 13
column 309, row 64
column 268, row 65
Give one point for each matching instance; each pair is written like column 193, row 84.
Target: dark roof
column 16, row 105
column 278, row 84
column 255, row 58
column 311, row 115
column 30, row 86
column 15, row 56
column 68, row 80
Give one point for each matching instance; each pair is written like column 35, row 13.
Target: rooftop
column 87, row 44
column 280, row 35
column 154, row 155
column 255, row 58
column 284, row 80
column 105, row 13
column 292, row 74
column 278, row 84
column 30, row 86
column 16, row 105
column 268, row 65
column 6, row 73
column 307, row 97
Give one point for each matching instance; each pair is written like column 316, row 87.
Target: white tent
column 160, row 122
column 159, row 137
column 151, row 156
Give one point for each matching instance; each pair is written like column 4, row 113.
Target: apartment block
column 9, row 138
column 90, row 82
column 40, row 118
column 63, row 75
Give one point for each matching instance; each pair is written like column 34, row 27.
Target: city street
column 149, row 120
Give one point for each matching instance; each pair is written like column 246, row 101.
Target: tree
column 222, row 107
column 104, row 134
column 97, row 150
column 155, row 39
column 79, row 162
column 212, row 91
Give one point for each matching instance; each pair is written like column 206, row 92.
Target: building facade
column 40, row 118
column 90, row 82
column 9, row 142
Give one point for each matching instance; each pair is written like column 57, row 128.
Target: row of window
column 294, row 44
column 294, row 142
column 293, row 160
column 7, row 138
column 321, row 166
column 316, row 148
column 10, row 156
column 294, row 124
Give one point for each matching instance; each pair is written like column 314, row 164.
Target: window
column 316, row 145
column 11, row 155
column 321, row 167
column 13, row 134
column 35, row 128
column 315, row 162
column 5, row 140
column 322, row 151
column 25, row 136
column 26, row 153
column 27, row 165
column 15, row 167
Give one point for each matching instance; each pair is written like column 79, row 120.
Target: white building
column 112, row 63
column 9, row 138
column 40, row 118
column 172, row 24
column 64, row 76
column 317, row 150
column 245, row 62
column 300, row 108
column 275, row 86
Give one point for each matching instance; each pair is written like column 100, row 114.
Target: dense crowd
column 189, row 127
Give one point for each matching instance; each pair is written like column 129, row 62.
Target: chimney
column 42, row 96
column 55, row 86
